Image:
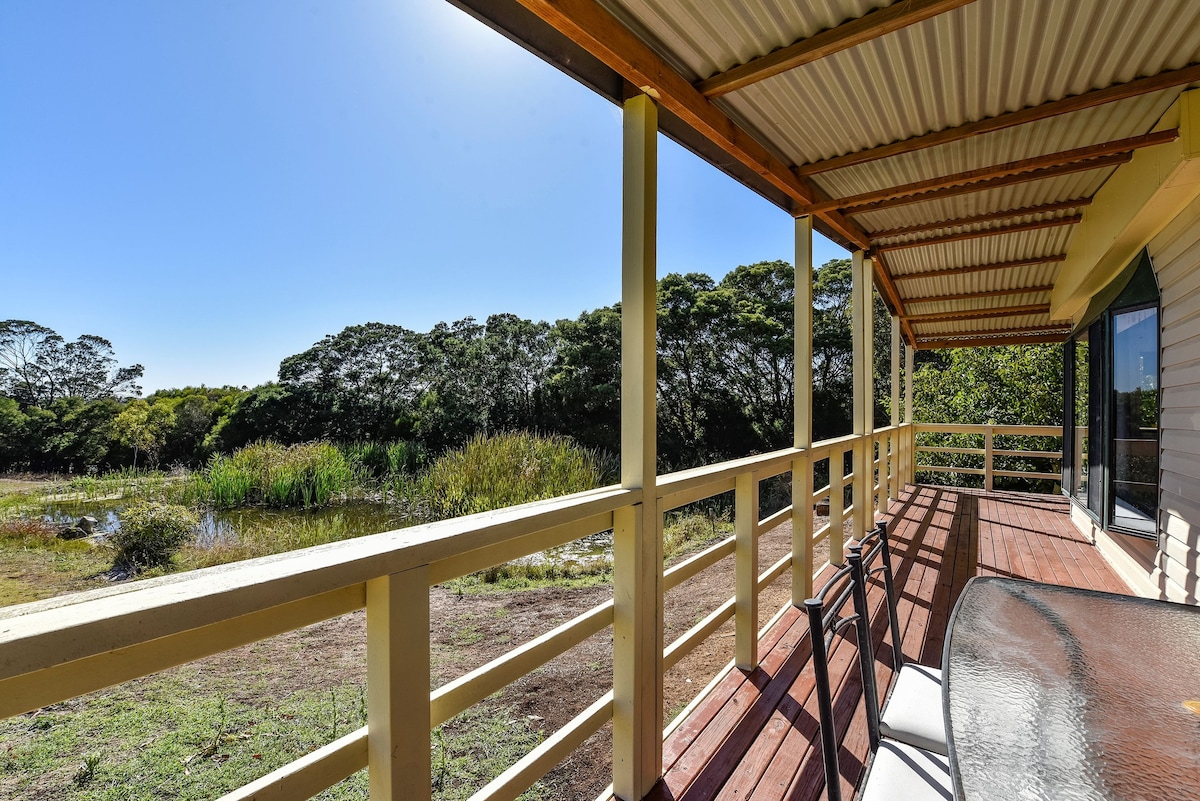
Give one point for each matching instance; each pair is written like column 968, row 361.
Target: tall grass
column 274, row 475
column 503, row 470
column 385, row 459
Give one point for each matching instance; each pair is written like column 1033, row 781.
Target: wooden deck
column 754, row 736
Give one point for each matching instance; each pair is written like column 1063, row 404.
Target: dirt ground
column 469, row 630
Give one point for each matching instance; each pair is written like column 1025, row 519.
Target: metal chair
column 896, row 769
column 913, row 712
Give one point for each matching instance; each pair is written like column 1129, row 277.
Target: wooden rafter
column 1098, row 97
column 887, row 286
column 1011, row 168
column 988, row 342
column 1034, row 225
column 1024, row 329
column 980, row 314
column 597, row 31
column 994, row 183
column 991, row 216
column 991, row 293
column 833, row 40
column 981, row 268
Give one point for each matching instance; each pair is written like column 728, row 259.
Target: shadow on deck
column 755, row 735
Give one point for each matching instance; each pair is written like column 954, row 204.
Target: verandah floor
column 755, row 735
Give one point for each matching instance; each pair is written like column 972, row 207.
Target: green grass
column 31, row 574
column 524, row 575
column 159, row 739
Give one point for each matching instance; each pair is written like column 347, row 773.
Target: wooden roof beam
column 592, row 27
column 991, row 216
column 1025, row 329
column 1098, row 97
column 891, row 295
column 849, row 34
column 995, row 183
column 1009, row 169
column 990, row 342
column 1034, row 225
column 981, row 268
column 980, row 314
column 991, row 293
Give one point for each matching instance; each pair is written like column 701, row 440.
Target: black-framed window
column 1111, row 447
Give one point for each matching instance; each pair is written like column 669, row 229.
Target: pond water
column 300, row 527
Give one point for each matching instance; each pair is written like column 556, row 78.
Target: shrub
column 504, row 470
column 150, row 533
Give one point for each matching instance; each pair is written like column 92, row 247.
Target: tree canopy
column 724, row 371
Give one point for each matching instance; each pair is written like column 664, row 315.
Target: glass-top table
column 1057, row 693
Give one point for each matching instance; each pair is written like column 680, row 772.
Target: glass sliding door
column 1112, row 406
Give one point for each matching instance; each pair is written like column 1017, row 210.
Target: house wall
column 1176, row 256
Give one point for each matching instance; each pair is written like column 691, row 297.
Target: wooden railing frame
column 65, row 647
column 988, row 451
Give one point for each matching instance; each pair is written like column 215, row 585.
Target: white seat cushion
column 913, row 713
column 900, row 771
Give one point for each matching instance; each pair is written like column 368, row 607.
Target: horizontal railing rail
column 988, row 452
column 61, row 648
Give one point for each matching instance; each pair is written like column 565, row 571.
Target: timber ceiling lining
column 978, row 79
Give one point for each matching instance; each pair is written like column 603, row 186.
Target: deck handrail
column 988, row 471
column 65, row 647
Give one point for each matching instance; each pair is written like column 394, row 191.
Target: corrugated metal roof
column 1027, row 321
column 978, row 61
column 986, row 250
column 712, row 37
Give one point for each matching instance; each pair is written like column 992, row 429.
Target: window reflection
column 1135, row 418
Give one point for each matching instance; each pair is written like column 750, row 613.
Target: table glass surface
column 1058, row 693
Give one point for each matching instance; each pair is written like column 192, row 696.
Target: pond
column 289, row 529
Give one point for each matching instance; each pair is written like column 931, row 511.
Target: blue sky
column 216, row 186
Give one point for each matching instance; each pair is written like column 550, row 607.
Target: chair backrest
column 825, row 622
column 875, row 547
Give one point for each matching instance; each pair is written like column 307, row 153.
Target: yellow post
column 881, row 497
column 864, row 422
column 746, row 570
column 637, row 541
column 989, row 478
column 895, row 460
column 909, row 364
column 398, row 721
column 837, row 504
column 802, row 476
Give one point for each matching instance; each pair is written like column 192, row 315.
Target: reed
column 382, row 460
column 278, row 476
column 504, row 470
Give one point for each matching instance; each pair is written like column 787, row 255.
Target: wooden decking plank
column 728, row 735
column 684, row 736
column 757, row 737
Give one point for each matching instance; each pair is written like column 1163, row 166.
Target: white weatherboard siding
column 1176, row 256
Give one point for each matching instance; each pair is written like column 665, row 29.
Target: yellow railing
column 61, row 648
column 989, row 453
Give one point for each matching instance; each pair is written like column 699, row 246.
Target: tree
column 1004, row 385
column 363, row 381
column 584, row 388
column 38, row 367
column 143, row 427
column 517, row 357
